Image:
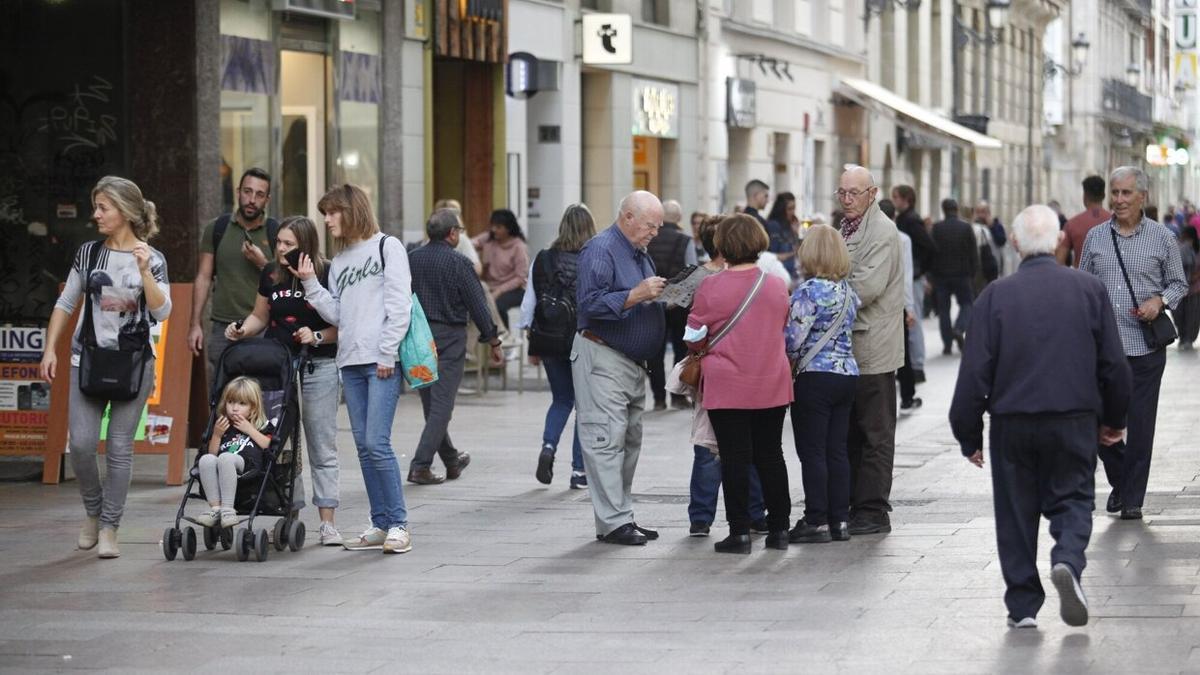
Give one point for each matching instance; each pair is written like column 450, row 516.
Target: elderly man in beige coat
column 877, row 276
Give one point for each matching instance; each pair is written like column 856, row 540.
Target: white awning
column 864, row 92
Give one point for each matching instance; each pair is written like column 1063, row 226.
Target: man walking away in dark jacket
column 923, row 249
column 1044, row 358
column 672, row 252
column 953, row 269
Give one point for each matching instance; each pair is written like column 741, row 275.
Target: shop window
column 656, row 11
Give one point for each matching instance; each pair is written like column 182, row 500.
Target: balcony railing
column 1126, row 103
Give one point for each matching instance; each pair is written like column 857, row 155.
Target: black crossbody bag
column 1160, row 332
column 111, row 374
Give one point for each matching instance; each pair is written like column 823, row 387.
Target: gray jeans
column 213, row 347
column 437, row 400
column 319, row 396
column 610, row 396
column 104, row 500
column 219, row 475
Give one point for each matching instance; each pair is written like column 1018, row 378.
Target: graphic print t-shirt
column 239, row 443
column 120, row 318
column 290, row 310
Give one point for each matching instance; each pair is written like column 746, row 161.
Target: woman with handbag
column 818, row 342
column 736, row 330
column 548, row 312
column 282, row 312
column 370, row 301
column 123, row 282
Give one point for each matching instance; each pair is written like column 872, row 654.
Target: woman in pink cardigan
column 505, row 261
column 745, row 382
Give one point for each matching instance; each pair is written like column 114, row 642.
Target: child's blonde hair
column 245, row 390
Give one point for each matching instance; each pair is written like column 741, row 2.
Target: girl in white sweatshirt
column 370, row 301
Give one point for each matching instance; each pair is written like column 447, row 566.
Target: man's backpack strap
column 222, row 224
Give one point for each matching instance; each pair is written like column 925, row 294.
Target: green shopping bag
column 418, row 351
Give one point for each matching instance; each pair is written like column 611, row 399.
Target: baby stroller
column 264, row 492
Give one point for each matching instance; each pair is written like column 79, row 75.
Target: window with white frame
column 763, row 11
column 802, row 17
column 837, row 22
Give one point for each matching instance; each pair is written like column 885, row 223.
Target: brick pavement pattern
column 506, row 576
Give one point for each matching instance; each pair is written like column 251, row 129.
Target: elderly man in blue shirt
column 620, row 329
column 1152, row 262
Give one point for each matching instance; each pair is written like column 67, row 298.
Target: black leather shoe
column 946, row 351
column 625, row 535
column 807, row 533
column 959, row 340
column 839, row 531
column 918, row 376
column 455, row 470
column 872, row 524
column 759, row 526
column 660, row 405
column 1114, row 502
column 734, row 543
column 648, row 533
column 1131, row 513
column 545, row 469
column 778, row 540
column 699, row 528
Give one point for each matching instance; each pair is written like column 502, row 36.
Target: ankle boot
column 108, row 543
column 734, row 543
column 778, row 540
column 89, row 533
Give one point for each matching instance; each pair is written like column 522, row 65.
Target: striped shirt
column 1152, row 260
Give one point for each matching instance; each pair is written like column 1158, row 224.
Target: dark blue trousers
column 821, row 424
column 1127, row 463
column 1042, row 465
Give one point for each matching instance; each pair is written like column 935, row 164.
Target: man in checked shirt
column 1152, row 260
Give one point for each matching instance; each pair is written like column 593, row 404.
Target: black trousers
column 676, row 325
column 960, row 289
column 872, row 443
column 820, row 423
column 507, row 300
column 1041, row 466
column 755, row 437
column 1127, row 464
column 905, row 376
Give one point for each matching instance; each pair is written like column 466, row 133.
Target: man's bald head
column 856, row 190
column 640, row 216
column 859, row 175
column 672, row 212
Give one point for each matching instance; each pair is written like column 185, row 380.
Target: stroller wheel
column 262, row 546
column 280, row 534
column 242, row 541
column 169, row 546
column 189, row 543
column 225, row 535
column 295, row 538
column 210, row 538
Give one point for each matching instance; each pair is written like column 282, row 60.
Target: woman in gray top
column 125, row 280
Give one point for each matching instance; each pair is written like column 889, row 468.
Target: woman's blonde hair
column 245, row 390
column 127, row 198
column 576, row 228
column 358, row 218
column 451, row 204
column 823, row 254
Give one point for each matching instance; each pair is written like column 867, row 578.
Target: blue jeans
column 562, row 391
column 371, row 404
column 706, row 480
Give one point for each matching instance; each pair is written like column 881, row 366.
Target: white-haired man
column 620, row 329
column 878, row 277
column 1153, row 266
column 1044, row 358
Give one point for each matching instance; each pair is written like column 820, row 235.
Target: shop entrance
column 303, row 102
column 647, row 164
column 464, row 121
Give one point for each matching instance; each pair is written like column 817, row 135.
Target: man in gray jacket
column 877, row 276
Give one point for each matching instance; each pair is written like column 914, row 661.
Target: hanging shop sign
column 741, row 104
column 1161, row 155
column 607, row 39
column 655, row 109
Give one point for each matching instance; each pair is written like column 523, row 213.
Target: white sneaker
column 209, row 519
column 371, row 538
column 1072, row 603
column 229, row 518
column 398, row 541
column 329, row 535
column 1027, row 622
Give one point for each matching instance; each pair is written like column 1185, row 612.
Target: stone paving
column 505, row 575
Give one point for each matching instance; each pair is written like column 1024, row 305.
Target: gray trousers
column 610, row 396
column 437, row 400
column 213, row 347
column 916, row 334
column 319, row 392
column 104, row 500
column 219, row 475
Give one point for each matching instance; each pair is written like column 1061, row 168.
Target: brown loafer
column 455, row 470
column 425, row 477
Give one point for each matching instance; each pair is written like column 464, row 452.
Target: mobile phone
column 292, row 258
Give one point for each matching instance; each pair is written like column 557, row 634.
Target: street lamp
column 1133, row 73
column 1079, row 49
column 997, row 12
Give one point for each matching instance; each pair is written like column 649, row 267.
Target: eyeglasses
column 853, row 194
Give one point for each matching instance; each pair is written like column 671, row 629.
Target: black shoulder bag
column 110, row 374
column 1158, row 333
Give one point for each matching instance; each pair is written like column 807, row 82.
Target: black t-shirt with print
column 237, row 442
column 290, row 311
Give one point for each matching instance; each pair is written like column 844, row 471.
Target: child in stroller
column 240, row 434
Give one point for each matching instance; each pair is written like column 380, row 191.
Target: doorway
column 646, row 164
column 304, row 111
column 464, row 133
